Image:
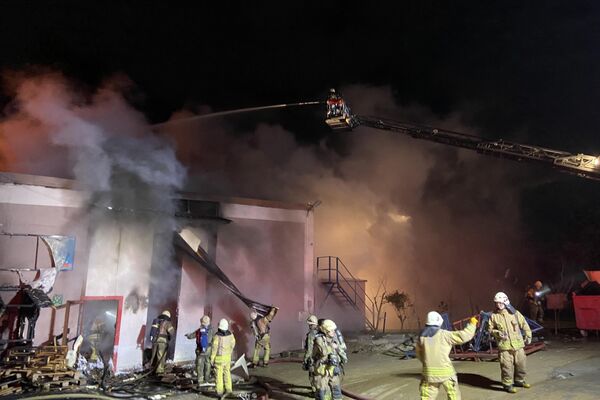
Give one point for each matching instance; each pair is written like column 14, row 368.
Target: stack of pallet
column 42, row 367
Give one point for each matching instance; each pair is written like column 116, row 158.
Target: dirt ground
column 566, row 369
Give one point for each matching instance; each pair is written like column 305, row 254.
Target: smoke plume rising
column 440, row 223
column 54, row 128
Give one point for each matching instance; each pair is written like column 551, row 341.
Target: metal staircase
column 342, row 285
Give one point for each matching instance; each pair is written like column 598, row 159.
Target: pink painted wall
column 192, row 303
column 265, row 259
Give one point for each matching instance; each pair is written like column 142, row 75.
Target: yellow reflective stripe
column 511, row 344
column 438, row 371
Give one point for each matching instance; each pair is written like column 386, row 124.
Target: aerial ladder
column 340, row 118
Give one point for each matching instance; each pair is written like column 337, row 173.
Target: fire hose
column 346, row 393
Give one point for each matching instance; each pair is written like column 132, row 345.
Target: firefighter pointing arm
column 203, row 337
column 433, row 349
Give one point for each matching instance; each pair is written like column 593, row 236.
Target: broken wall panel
column 264, row 252
column 193, row 298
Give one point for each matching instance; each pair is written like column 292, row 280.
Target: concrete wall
column 192, row 306
column 119, row 265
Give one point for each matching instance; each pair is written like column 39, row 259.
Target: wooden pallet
column 17, row 372
column 64, row 383
column 54, row 376
column 11, row 390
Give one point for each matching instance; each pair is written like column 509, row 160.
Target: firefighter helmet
column 166, row 313
column 328, row 326
column 205, row 320
column 312, row 320
column 434, row 319
column 501, row 297
column 223, row 324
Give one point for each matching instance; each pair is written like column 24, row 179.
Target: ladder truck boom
column 341, row 118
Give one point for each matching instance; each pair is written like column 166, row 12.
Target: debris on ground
column 562, row 375
column 37, row 367
column 395, row 345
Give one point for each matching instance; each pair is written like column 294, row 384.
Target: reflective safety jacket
column 434, row 351
column 261, row 325
column 506, row 329
column 328, row 356
column 162, row 329
column 222, row 347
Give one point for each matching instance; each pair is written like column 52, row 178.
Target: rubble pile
column 397, row 345
column 37, row 368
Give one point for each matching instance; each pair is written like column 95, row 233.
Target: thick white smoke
column 53, row 128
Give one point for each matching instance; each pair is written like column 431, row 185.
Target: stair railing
column 337, row 275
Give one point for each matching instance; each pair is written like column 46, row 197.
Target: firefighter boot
column 510, row 389
column 522, row 384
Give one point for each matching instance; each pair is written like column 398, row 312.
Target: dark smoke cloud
column 439, row 223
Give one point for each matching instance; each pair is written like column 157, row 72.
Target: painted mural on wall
column 62, row 249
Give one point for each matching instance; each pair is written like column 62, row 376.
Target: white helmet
column 312, row 320
column 434, row 319
column 328, row 326
column 166, row 313
column 205, row 320
column 253, row 315
column 501, row 297
column 223, row 324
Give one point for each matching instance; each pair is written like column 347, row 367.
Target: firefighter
column 261, row 329
column 96, row 336
column 335, row 105
column 505, row 326
column 433, row 349
column 327, row 360
column 309, row 341
column 222, row 346
column 203, row 337
column 161, row 333
column 535, row 297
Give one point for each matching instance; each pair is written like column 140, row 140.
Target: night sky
column 523, row 71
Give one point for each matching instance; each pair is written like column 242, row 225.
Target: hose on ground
column 69, row 396
column 299, row 360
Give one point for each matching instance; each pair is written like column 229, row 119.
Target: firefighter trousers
column 327, row 387
column 429, row 390
column 203, row 367
column 262, row 343
column 223, row 377
column 159, row 355
column 512, row 365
